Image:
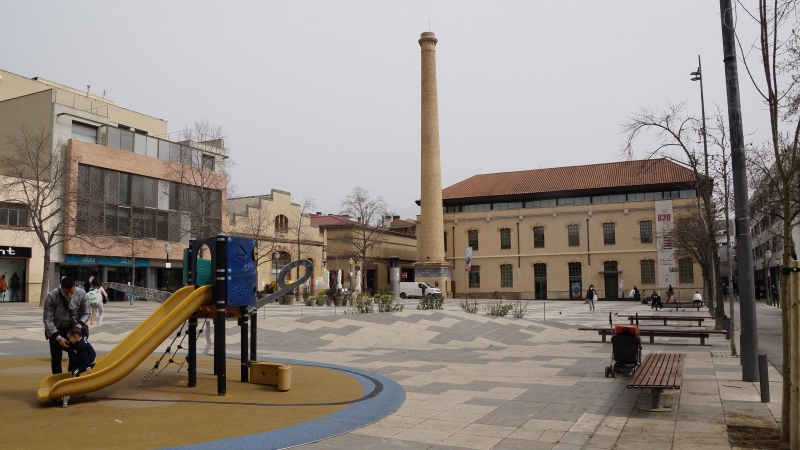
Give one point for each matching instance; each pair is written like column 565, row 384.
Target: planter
column 321, row 302
column 338, row 300
column 309, row 302
column 288, row 299
column 328, row 302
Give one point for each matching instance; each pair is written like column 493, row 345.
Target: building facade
column 135, row 190
column 284, row 234
column 398, row 244
column 551, row 233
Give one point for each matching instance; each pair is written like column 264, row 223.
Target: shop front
column 113, row 269
column 14, row 263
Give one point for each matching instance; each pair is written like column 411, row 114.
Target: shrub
column 386, row 290
column 497, row 308
column 361, row 305
column 431, row 301
column 387, row 303
column 520, row 309
column 469, row 307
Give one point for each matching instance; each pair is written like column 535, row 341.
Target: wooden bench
column 659, row 371
column 665, row 318
column 676, row 305
column 653, row 332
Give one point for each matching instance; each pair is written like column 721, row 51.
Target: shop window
column 575, row 280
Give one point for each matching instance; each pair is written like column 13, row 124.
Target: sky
column 319, row 97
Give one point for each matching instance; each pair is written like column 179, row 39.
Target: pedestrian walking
column 670, row 294
column 591, row 297
column 775, row 296
column 97, row 298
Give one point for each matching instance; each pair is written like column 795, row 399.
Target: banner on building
column 665, row 252
column 469, row 259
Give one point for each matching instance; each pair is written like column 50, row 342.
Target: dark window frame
column 609, row 233
column 574, row 235
column 506, row 275
column 505, row 238
column 538, row 237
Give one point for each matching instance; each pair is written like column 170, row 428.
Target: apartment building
column 550, row 233
column 140, row 195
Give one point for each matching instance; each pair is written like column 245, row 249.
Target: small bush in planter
column 497, row 308
column 361, row 305
column 431, row 301
column 469, row 307
column 320, row 300
column 386, row 290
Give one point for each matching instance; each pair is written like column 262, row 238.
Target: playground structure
column 219, row 288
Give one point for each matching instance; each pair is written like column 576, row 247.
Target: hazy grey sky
column 318, row 97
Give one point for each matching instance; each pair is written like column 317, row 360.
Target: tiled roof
column 573, row 178
column 330, row 220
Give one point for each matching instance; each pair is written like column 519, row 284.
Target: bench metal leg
column 652, row 338
column 604, row 336
column 655, row 402
column 702, row 339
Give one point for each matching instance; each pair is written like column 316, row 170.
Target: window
column 279, row 261
column 475, row 277
column 281, row 223
column 646, row 232
column 505, row 238
column 208, row 162
column 573, row 234
column 472, row 236
column 575, row 285
column 540, row 281
column 475, row 208
column 686, row 270
column 538, row 237
column 506, row 275
column 84, row 132
column 13, row 215
column 504, row 206
column 648, row 267
column 609, row 236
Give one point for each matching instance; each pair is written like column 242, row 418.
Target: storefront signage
column 106, row 261
column 665, row 252
column 7, row 251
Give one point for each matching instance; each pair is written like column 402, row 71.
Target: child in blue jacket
column 81, row 354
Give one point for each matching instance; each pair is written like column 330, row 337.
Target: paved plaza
column 481, row 382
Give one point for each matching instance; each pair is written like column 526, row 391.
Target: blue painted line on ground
column 355, row 416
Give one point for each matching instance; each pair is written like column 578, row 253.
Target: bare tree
column 676, row 134
column 298, row 228
column 200, row 175
column 40, row 177
column 772, row 62
column 259, row 224
column 371, row 227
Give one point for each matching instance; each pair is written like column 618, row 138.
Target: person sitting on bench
column 655, row 301
column 697, row 297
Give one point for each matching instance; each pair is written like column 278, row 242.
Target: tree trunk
column 45, row 277
column 786, row 325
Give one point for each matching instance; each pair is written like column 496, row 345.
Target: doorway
column 611, row 275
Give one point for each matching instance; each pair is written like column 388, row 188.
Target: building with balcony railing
column 139, row 187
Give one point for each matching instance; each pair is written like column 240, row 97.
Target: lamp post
column 768, row 286
column 698, row 76
column 168, row 248
column 351, row 273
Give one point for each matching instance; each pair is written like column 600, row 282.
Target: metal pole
column 219, row 322
column 192, row 358
column 166, row 272
column 253, row 335
column 244, row 321
column 747, row 303
column 763, row 372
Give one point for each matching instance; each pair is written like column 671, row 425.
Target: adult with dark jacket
column 655, row 301
column 64, row 308
column 591, row 296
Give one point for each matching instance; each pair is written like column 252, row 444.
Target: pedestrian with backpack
column 97, row 297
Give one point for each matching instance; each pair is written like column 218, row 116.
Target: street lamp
column 768, row 287
column 698, row 76
column 168, row 248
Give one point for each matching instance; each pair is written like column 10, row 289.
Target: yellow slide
column 129, row 353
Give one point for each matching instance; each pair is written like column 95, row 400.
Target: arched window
column 281, row 223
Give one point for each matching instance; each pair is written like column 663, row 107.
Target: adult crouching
column 64, row 307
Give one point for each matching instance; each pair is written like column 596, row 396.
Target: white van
column 414, row 289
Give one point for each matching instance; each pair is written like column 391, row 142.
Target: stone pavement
column 481, row 382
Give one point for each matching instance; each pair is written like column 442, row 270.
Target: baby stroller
column 626, row 350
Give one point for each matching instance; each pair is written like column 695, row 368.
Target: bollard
column 727, row 325
column 763, row 373
column 544, row 312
